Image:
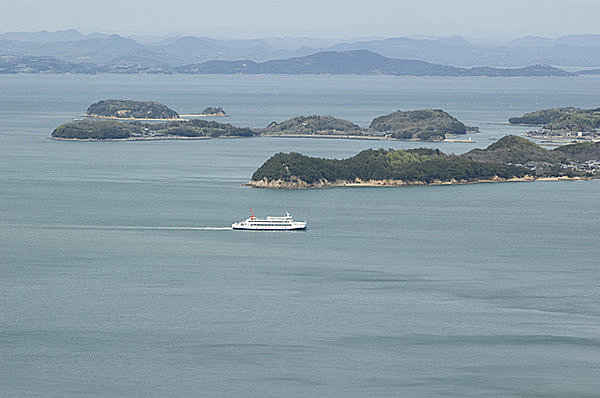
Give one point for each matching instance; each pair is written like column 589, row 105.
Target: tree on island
column 111, row 129
column 506, row 159
column 127, row 109
column 569, row 118
column 427, row 124
column 314, row 124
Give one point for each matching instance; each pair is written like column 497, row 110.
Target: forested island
column 561, row 125
column 313, row 125
column 424, row 125
column 568, row 118
column 115, row 130
column 129, row 109
column 213, row 111
column 511, row 158
column 420, row 125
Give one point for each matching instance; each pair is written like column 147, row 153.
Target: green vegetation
column 579, row 152
column 314, row 124
column 109, row 129
column 419, row 123
column 200, row 128
column 125, row 109
column 509, row 157
column 520, row 151
column 411, row 166
column 570, row 118
column 96, row 130
column 513, row 149
column 428, row 124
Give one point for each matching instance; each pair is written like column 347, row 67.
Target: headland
column 510, row 159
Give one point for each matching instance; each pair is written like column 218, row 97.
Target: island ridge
column 511, row 158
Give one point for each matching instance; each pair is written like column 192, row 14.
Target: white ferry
column 285, row 223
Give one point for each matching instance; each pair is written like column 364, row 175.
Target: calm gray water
column 116, row 279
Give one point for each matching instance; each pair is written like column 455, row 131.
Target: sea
column 120, row 276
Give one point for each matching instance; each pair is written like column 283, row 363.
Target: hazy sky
column 313, row 18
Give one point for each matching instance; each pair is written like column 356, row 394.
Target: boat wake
column 123, row 227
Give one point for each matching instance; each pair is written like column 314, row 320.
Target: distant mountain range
column 358, row 62
column 45, row 36
column 70, row 51
column 581, row 50
column 102, row 49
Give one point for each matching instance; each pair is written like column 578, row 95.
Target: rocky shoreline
column 299, row 184
column 361, row 137
column 334, row 136
column 192, row 115
column 160, row 138
column 94, row 116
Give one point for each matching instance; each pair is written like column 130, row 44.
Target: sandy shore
column 563, row 178
column 131, row 139
column 359, row 137
column 201, row 115
column 336, row 136
column 130, row 118
column 299, row 184
column 552, row 139
column 339, row 136
column 466, row 141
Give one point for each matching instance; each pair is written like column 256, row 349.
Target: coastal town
column 588, row 167
column 563, row 136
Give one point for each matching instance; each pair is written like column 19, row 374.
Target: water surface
column 120, row 279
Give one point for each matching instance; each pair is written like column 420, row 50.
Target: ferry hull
column 269, row 228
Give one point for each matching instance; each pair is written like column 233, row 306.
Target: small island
column 562, row 124
column 213, row 111
column 96, row 130
column 419, row 125
column 511, row 158
column 130, row 110
column 313, row 125
column 424, row 125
